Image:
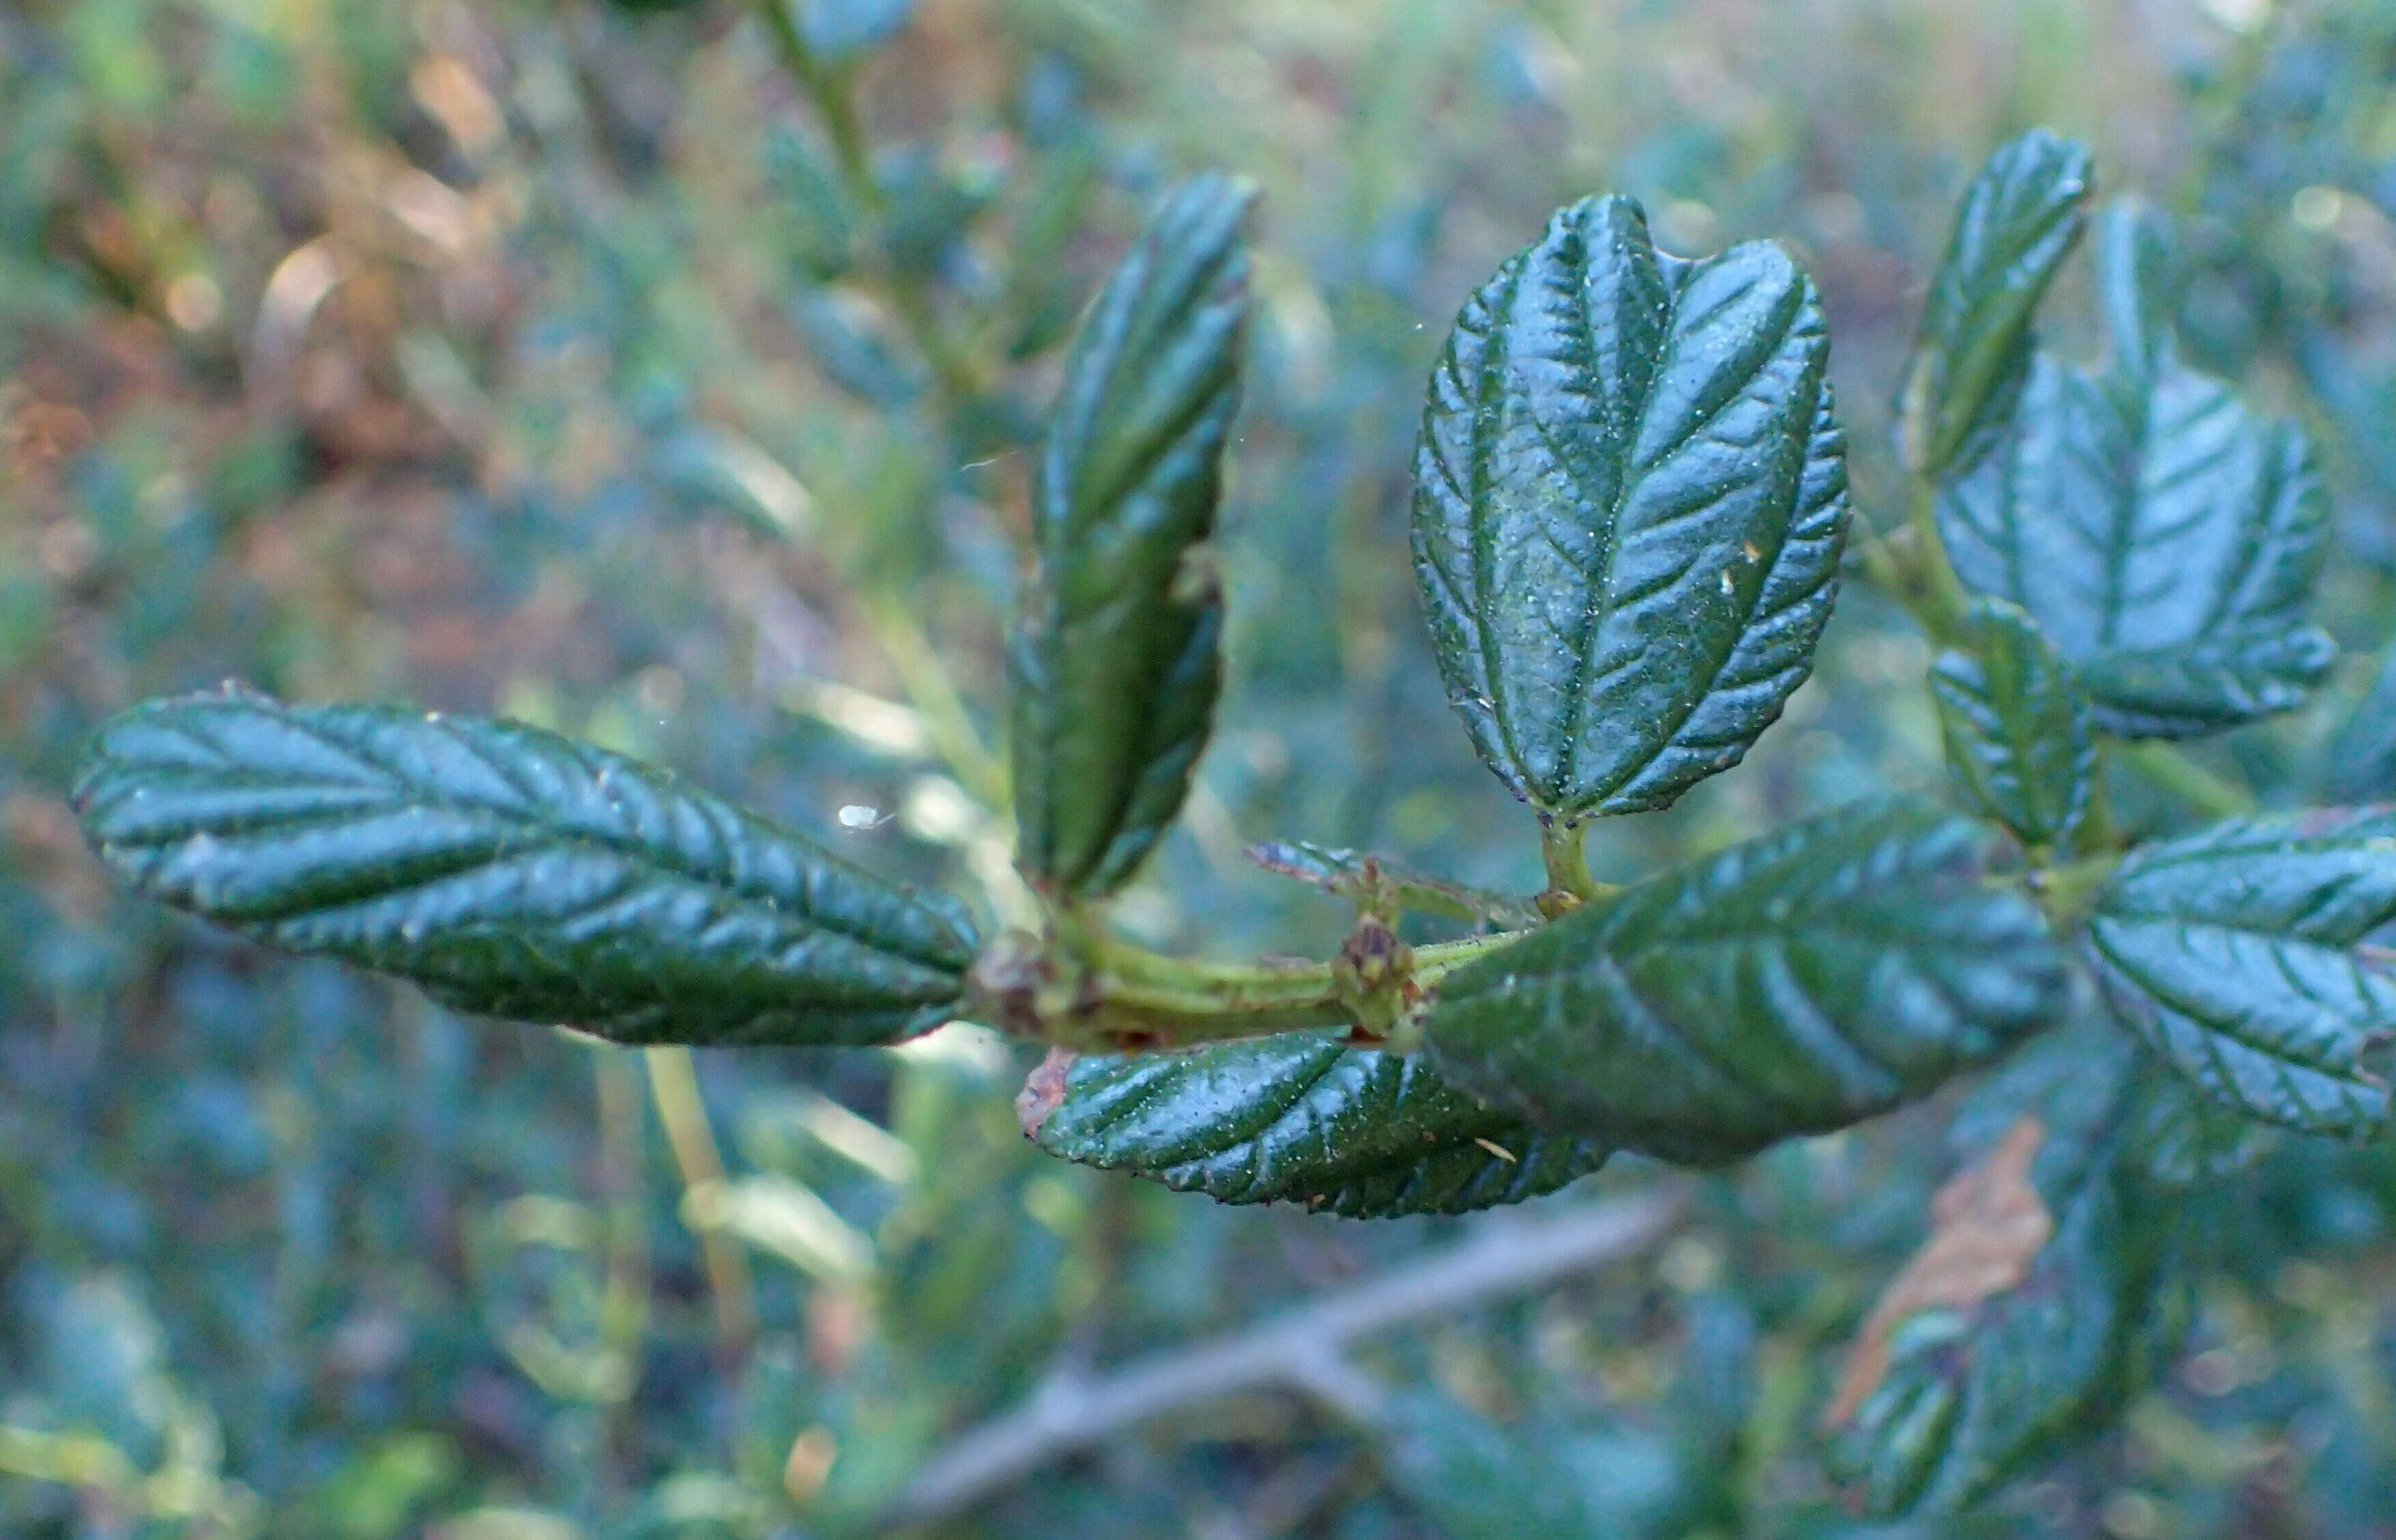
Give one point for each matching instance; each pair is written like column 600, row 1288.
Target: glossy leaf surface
column 2018, row 741
column 1794, row 984
column 1305, row 1118
column 2228, row 952
column 1629, row 501
column 2164, row 538
column 2041, row 1302
column 2016, row 222
column 1116, row 662
column 511, row 872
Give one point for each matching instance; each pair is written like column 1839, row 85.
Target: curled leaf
column 2016, row 222
column 1116, row 659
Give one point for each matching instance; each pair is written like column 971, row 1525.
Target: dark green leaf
column 513, row 873
column 1792, row 985
column 2164, row 538
column 1306, row 1119
column 2227, row 952
column 2042, row 1301
column 2184, row 1139
column 1629, row 501
column 2018, row 742
column 2360, row 763
column 1353, row 875
column 2017, row 222
column 1117, row 663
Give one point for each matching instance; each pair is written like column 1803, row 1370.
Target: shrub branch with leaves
column 1630, row 516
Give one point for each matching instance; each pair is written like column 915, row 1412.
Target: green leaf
column 2360, row 766
column 511, row 872
column 2044, row 1299
column 2227, row 951
column 2018, row 741
column 2164, row 537
column 1795, row 984
column 1302, row 1118
column 2017, row 222
column 1116, row 659
column 2184, row 1139
column 1630, row 502
column 1366, row 879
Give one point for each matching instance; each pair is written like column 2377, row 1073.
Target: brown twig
column 1299, row 1350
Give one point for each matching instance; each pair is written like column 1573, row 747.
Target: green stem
column 2206, row 790
column 1123, row 996
column 1940, row 604
column 933, row 692
column 2097, row 832
column 2067, row 892
column 1569, row 884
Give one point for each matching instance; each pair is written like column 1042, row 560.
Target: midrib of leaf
column 1603, row 599
column 1137, row 468
column 526, row 830
column 1599, row 597
column 2122, row 534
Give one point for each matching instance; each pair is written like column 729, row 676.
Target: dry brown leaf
column 1044, row 1091
column 1987, row 1225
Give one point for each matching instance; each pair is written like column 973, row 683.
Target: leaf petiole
column 1087, row 988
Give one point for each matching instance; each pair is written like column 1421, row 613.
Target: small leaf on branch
column 2016, row 222
column 1302, row 1118
column 511, row 872
column 2018, row 741
column 1792, row 985
column 1630, row 502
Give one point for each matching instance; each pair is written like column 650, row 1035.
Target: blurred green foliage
column 565, row 359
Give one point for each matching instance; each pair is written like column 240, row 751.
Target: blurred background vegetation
column 663, row 375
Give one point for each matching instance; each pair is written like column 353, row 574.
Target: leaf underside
column 2229, row 953
column 511, row 872
column 2018, row 741
column 2164, row 537
column 1631, row 499
column 1304, row 1118
column 1116, row 659
column 1795, row 984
